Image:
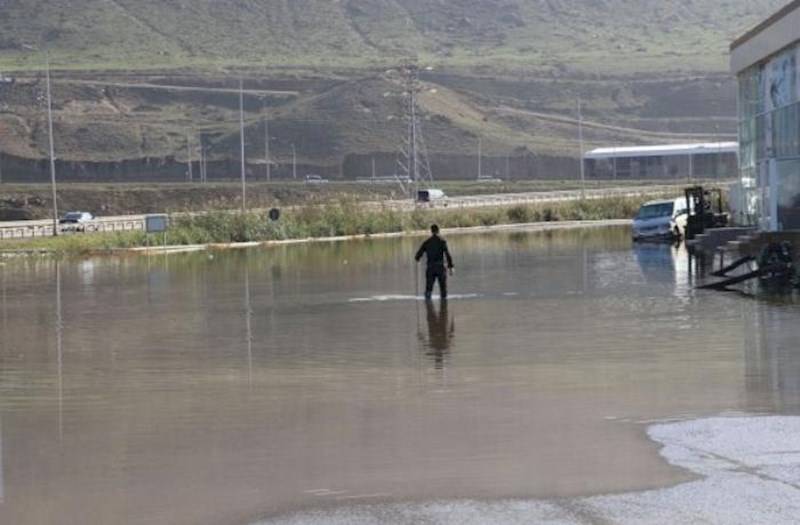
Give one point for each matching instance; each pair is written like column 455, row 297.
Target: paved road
column 508, row 199
column 44, row 228
column 170, row 87
column 661, row 135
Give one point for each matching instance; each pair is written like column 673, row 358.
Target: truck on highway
column 430, row 195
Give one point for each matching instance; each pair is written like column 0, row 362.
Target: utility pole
column 294, row 162
column 189, row 155
column 266, row 144
column 52, row 150
column 480, row 157
column 241, row 135
column 413, row 145
column 717, row 172
column 508, row 166
column 580, row 157
column 202, row 160
column 373, row 170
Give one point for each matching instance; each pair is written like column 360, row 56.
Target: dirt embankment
column 141, row 127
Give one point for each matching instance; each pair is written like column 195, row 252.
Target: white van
column 430, row 195
column 662, row 219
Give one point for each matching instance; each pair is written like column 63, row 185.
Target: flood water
column 240, row 386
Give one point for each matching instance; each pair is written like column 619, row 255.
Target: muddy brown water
column 224, row 388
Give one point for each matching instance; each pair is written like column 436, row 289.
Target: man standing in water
column 435, row 250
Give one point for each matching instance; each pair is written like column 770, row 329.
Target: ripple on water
column 397, row 297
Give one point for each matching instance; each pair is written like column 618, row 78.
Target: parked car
column 76, row 221
column 661, row 220
column 315, row 179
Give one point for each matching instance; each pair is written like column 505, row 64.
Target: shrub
column 519, row 214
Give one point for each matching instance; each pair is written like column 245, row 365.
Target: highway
column 44, row 228
column 510, row 199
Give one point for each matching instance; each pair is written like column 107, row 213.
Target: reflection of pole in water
column 584, row 265
column 272, row 305
column 2, row 472
column 59, row 331
column 4, row 305
column 248, row 324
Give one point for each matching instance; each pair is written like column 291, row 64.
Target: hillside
column 594, row 35
column 133, row 78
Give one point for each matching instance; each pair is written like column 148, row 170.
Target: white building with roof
column 766, row 62
column 681, row 162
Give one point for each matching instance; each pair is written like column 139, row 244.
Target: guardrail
column 510, row 199
column 44, row 228
column 551, row 196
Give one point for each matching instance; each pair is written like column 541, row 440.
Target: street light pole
column 241, row 132
column 189, row 156
column 266, row 144
column 480, row 157
column 294, row 162
column 52, row 150
column 580, row 157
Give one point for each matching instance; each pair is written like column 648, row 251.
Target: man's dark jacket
column 436, row 250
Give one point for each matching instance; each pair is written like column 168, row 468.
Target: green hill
column 593, row 35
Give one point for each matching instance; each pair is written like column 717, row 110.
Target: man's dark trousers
column 433, row 273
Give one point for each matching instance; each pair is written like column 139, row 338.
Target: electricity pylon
column 414, row 161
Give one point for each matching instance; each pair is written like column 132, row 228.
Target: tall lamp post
column 241, row 132
column 580, row 157
column 52, row 149
column 294, row 162
column 267, row 160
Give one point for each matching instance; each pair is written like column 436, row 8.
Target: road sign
column 156, row 223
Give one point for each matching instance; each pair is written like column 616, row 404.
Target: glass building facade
column 769, row 136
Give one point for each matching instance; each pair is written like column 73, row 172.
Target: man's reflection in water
column 440, row 333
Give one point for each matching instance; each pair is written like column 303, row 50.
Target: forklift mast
column 705, row 210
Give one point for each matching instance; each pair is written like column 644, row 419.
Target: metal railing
column 510, row 199
column 44, row 228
